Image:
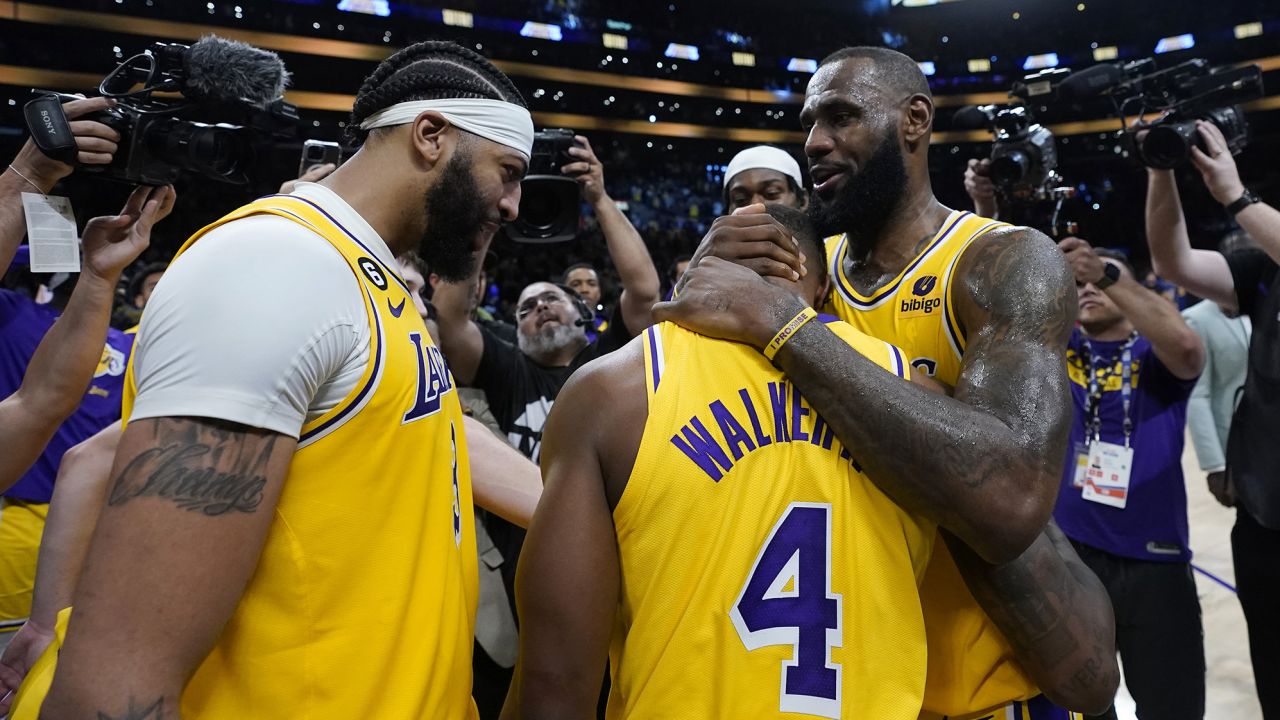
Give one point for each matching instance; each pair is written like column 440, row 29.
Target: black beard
column 866, row 201
column 455, row 212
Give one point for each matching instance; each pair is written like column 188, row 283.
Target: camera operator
column 1248, row 282
column 636, row 272
column 1133, row 362
column 53, row 386
column 73, row 370
column 1226, row 344
column 981, row 188
column 32, row 170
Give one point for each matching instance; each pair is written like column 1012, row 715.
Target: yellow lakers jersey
column 363, row 602
column 763, row 575
column 971, row 665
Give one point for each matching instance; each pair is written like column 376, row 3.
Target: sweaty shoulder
column 1015, row 281
column 605, row 405
column 247, row 325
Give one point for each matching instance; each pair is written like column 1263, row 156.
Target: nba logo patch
column 922, row 301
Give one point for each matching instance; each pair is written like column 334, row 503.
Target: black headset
column 586, row 318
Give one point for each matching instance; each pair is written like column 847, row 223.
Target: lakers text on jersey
column 363, row 601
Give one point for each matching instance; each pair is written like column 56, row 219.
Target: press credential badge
column 1107, row 479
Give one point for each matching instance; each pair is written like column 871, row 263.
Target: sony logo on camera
column 49, row 126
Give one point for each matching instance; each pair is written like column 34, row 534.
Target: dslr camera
column 209, row 110
column 550, row 210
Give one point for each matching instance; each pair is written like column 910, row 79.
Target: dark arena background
column 669, row 91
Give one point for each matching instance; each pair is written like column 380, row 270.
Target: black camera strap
column 49, row 128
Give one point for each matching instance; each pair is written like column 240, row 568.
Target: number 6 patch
column 787, row 600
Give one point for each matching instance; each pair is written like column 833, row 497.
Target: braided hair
column 429, row 70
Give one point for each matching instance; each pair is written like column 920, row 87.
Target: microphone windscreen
column 1090, row 82
column 971, row 117
column 224, row 70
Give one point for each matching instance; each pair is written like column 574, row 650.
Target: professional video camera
column 1024, row 154
column 210, row 109
column 549, row 207
column 1179, row 95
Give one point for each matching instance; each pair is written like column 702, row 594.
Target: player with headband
column 289, row 529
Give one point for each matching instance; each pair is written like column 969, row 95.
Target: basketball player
column 763, row 174
column 980, row 306
column 708, row 518
column 288, row 532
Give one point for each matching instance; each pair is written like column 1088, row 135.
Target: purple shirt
column 23, row 325
column 1153, row 524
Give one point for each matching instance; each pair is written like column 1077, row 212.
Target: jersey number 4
column 787, row 600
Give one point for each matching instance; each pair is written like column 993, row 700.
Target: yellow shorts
column 21, row 525
column 1037, row 708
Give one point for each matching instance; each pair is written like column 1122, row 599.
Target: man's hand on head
column 729, row 301
column 97, row 144
column 752, row 238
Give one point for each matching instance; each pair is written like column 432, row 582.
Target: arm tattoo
column 1004, row 433
column 198, row 467
column 154, row 711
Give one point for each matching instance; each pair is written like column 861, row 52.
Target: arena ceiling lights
column 928, row 68
column 682, row 52
column 1041, row 61
column 542, row 31
column 1185, row 41
column 457, row 18
column 744, row 59
column 1248, row 30
column 613, row 41
column 802, row 65
column 1105, row 53
column 980, row 65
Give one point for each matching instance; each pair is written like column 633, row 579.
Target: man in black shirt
column 522, row 381
column 1247, row 281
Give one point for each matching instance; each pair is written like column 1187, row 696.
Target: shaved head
column 897, row 72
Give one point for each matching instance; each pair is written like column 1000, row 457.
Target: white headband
column 502, row 122
column 765, row 157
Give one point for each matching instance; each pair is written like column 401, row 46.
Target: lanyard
column 1094, row 406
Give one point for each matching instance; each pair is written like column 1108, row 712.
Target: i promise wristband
column 788, row 331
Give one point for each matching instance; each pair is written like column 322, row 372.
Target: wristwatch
column 1247, row 199
column 1110, row 274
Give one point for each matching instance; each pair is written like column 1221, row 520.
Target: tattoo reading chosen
column 213, row 478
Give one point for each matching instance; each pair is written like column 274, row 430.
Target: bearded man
column 262, row 552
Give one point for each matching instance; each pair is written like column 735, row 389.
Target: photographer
column 1246, row 281
column 32, row 170
column 53, row 387
column 1133, row 362
column 638, row 276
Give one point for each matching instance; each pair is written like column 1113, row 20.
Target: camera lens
column 539, row 208
column 214, row 151
column 1168, row 145
column 1010, row 167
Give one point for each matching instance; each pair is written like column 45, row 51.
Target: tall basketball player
column 707, row 518
column 985, row 308
column 288, row 532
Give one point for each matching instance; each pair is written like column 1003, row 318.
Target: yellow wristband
column 788, row 331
